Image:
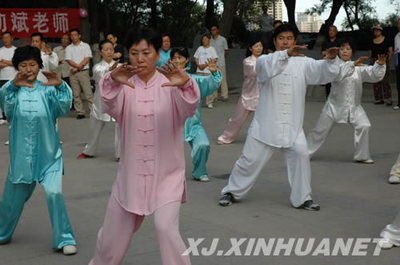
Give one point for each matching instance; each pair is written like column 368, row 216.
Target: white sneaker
column 385, row 243
column 396, row 107
column 210, row 106
column 69, row 250
column 366, row 161
column 393, row 179
column 7, row 143
column 3, row 121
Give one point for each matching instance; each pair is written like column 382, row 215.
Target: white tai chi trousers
column 96, row 126
column 324, row 126
column 256, row 154
column 395, row 171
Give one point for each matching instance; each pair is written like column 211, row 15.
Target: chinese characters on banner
column 22, row 22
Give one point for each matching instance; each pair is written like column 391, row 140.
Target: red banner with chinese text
column 22, row 22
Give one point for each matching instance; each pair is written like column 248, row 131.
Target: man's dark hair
column 37, row 34
column 111, row 33
column 26, row 53
column 214, row 25
column 152, row 37
column 76, row 30
column 101, row 44
column 165, row 35
column 332, row 26
column 277, row 21
column 284, row 28
column 6, row 32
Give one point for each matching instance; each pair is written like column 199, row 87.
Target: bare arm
column 390, row 55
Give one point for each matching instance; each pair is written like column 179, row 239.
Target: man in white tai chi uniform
column 278, row 122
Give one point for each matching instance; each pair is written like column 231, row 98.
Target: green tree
column 359, row 13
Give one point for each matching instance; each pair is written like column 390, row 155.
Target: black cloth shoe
column 226, row 199
column 80, row 116
column 310, row 205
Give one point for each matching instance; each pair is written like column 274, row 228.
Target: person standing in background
column 63, row 67
column 397, row 63
column 266, row 23
column 49, row 58
column 119, row 50
column 78, row 55
column 330, row 42
column 7, row 70
column 381, row 45
column 221, row 46
column 165, row 50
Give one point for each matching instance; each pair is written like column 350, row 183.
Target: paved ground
column 356, row 200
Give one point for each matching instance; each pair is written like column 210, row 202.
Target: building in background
column 308, row 22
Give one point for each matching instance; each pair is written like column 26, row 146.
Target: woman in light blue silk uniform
column 194, row 132
column 32, row 108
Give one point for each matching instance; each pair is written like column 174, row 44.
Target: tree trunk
column 94, row 21
column 107, row 25
column 346, row 9
column 225, row 26
column 336, row 5
column 210, row 17
column 153, row 12
column 291, row 8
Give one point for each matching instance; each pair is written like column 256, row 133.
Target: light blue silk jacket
column 35, row 147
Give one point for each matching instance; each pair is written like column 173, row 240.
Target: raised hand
column 360, row 61
column 46, row 49
column 122, row 74
column 295, row 50
column 212, row 66
column 21, row 79
column 176, row 76
column 113, row 66
column 331, row 53
column 53, row 79
column 382, row 58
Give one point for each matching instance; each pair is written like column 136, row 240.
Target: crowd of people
column 156, row 103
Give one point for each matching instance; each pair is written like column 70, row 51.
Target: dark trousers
column 382, row 89
column 398, row 80
column 2, row 115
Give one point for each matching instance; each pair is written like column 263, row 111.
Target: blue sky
column 383, row 8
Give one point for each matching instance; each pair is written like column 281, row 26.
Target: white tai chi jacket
column 99, row 70
column 344, row 101
column 282, row 81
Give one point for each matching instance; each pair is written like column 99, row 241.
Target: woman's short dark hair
column 251, row 43
column 284, row 28
column 136, row 35
column 204, row 35
column 101, row 44
column 181, row 51
column 344, row 41
column 26, row 53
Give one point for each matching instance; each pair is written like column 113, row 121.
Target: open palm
column 53, row 79
column 176, row 76
column 21, row 79
column 122, row 74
